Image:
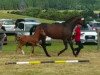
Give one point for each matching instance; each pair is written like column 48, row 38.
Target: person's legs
column 80, row 46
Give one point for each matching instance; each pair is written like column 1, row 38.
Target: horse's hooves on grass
column 48, row 56
column 58, row 54
column 75, row 55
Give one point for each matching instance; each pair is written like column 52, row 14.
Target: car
column 8, row 24
column 88, row 36
column 59, row 21
column 5, row 40
column 94, row 24
column 30, row 20
column 17, row 21
column 23, row 28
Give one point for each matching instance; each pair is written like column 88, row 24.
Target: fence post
column 98, row 39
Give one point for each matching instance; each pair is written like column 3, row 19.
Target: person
column 76, row 36
column 2, row 36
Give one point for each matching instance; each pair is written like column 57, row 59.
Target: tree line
column 56, row 4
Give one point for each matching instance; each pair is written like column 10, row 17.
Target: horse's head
column 75, row 20
column 79, row 20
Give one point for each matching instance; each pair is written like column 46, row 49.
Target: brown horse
column 62, row 31
column 32, row 40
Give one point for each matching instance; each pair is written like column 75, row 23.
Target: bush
column 51, row 14
column 16, row 12
column 33, row 11
column 87, row 13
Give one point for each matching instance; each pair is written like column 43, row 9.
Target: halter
column 82, row 18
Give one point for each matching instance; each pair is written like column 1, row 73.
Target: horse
column 32, row 40
column 62, row 31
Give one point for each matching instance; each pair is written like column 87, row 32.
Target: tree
column 88, row 4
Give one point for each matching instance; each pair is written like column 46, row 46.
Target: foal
column 33, row 40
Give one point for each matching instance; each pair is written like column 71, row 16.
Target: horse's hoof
column 75, row 55
column 59, row 54
column 48, row 56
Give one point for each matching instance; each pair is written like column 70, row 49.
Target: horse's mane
column 70, row 19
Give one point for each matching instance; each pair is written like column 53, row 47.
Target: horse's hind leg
column 66, row 46
column 71, row 45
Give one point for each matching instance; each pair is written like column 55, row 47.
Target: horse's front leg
column 18, row 48
column 71, row 45
column 66, row 46
column 44, row 47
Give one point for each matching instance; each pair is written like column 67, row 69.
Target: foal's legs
column 19, row 47
column 44, row 46
column 32, row 49
column 66, row 46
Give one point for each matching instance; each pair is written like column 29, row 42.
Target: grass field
column 89, row 52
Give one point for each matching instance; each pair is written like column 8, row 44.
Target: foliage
column 88, row 13
column 32, row 11
column 51, row 14
column 56, row 4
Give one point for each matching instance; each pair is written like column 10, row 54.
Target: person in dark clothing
column 2, row 36
column 77, row 34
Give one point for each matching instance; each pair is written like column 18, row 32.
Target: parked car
column 5, row 40
column 30, row 20
column 9, row 25
column 24, row 20
column 23, row 28
column 59, row 21
column 89, row 36
column 94, row 25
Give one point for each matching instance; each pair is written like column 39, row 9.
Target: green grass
column 9, row 54
column 89, row 52
column 55, row 47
